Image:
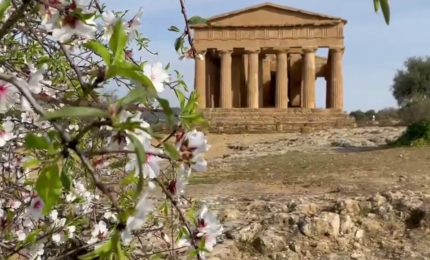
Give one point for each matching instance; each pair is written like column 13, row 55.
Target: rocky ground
column 338, row 194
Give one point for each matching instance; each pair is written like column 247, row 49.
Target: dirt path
column 338, row 161
column 338, row 194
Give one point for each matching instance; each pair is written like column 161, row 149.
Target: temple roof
column 269, row 14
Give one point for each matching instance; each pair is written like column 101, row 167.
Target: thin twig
column 181, row 214
column 187, row 28
column 74, row 67
column 17, row 250
column 18, row 14
column 167, row 138
column 162, row 251
column 95, row 124
column 23, row 87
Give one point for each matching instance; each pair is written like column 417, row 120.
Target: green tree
column 412, row 82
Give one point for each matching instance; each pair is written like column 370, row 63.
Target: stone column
column 295, row 61
column 226, row 99
column 253, row 81
column 266, row 93
column 282, row 80
column 246, row 67
column 309, row 78
column 200, row 79
column 328, row 89
column 335, row 82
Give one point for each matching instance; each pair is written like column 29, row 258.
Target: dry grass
column 298, row 173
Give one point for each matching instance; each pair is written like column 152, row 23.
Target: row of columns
column 334, row 81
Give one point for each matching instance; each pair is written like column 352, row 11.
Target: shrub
column 415, row 111
column 359, row 116
column 417, row 134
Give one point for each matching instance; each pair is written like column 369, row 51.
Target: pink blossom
column 7, row 96
column 6, row 132
column 36, row 208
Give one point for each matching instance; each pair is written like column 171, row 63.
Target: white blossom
column 35, row 85
column 21, row 235
column 157, row 75
column 53, row 215
column 208, row 227
column 99, row 232
column 150, row 169
column 70, row 231
column 109, row 21
column 58, row 238
column 143, row 208
column 37, row 251
column 70, row 197
column 109, row 215
column 14, row 204
column 73, row 26
column 134, row 24
column 192, row 146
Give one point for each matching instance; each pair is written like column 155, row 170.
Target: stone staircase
column 271, row 120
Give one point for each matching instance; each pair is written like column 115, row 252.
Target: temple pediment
column 269, row 14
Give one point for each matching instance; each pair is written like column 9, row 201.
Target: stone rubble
column 323, row 141
column 389, row 225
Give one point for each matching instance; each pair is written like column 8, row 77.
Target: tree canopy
column 412, row 82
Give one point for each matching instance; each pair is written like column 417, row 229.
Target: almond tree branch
column 181, row 214
column 74, row 67
column 23, row 87
column 18, row 14
column 187, row 28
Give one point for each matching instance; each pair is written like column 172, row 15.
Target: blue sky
column 374, row 51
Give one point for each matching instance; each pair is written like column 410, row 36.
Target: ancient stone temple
column 258, row 69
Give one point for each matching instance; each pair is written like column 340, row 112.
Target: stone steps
column 276, row 117
column 269, row 120
column 282, row 112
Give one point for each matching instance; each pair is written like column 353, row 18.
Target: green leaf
column 100, row 252
column 191, row 105
column 116, row 242
column 138, row 146
column 195, row 119
column 197, row 20
column 32, row 237
column 76, row 112
column 65, row 180
column 31, row 164
column 181, row 98
column 167, row 110
column 376, row 5
column 171, row 151
column 49, row 186
column 135, row 95
column 4, row 5
column 33, row 141
column 129, row 179
column 118, row 41
column 124, row 71
column 179, row 44
column 174, row 29
column 84, row 17
column 100, row 50
column 385, row 6
column 141, row 158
